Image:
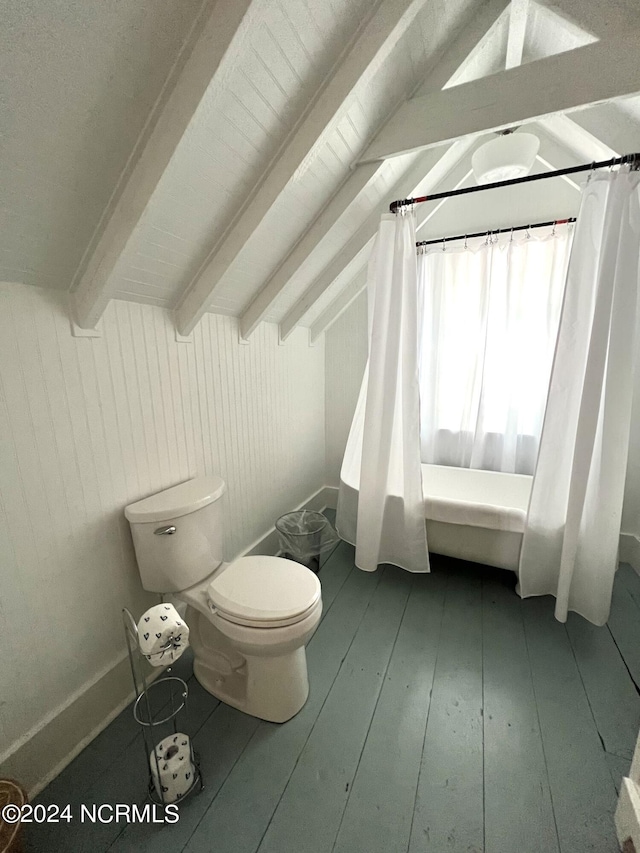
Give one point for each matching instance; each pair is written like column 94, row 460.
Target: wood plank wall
column 88, row 425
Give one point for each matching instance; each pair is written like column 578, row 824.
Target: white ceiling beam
column 554, row 168
column 259, row 307
column 339, row 305
column 376, row 38
column 518, row 13
column 582, row 144
column 611, row 126
column 424, row 219
column 357, row 245
column 563, row 129
column 454, row 60
column 358, row 283
column 465, row 49
column 567, row 81
column 218, row 24
column 435, row 166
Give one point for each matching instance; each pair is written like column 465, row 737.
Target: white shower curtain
column 571, row 540
column 383, row 512
column 489, row 320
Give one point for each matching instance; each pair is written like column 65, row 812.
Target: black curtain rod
column 491, row 231
column 632, row 159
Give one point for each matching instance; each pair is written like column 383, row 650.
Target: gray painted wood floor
column 445, row 714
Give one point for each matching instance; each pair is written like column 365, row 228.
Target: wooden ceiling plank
column 261, row 304
column 452, row 62
column 217, row 26
column 339, row 305
column 375, row 39
column 435, row 165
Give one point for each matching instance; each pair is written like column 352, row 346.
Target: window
column 488, row 326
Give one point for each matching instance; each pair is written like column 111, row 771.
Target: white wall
column 88, row 425
column 345, row 360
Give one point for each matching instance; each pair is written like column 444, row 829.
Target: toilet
column 249, row 620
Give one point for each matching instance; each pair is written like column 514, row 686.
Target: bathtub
column 472, row 515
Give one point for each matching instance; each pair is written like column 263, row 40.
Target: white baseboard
column 268, row 543
column 44, row 752
column 630, row 550
column 331, row 497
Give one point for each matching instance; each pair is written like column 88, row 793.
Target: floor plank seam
column 585, row 691
column 333, row 600
column 330, row 555
column 426, row 725
column 633, row 681
column 124, row 828
column 550, row 761
column 255, row 733
column 629, row 586
column 144, row 797
column 615, row 754
column 542, row 744
column 366, row 737
column 220, row 787
column 302, row 749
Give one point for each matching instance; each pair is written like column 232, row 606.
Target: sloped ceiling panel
column 369, row 105
column 77, row 81
column 86, row 73
column 345, row 227
column 138, row 273
column 235, row 134
column 547, row 33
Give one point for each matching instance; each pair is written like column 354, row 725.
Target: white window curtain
column 570, row 543
column 489, row 321
column 380, row 502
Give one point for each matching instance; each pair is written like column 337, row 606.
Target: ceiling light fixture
column 510, row 155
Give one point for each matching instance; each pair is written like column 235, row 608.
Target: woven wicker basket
column 11, row 833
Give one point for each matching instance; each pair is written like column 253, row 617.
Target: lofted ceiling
column 223, row 156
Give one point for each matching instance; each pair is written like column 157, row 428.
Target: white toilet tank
column 177, row 534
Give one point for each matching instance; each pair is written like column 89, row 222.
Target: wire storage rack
column 157, row 704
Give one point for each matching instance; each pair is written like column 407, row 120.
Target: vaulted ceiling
column 235, row 156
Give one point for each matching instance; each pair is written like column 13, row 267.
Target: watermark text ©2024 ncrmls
column 104, row 813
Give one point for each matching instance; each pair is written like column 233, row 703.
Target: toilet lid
column 264, row 589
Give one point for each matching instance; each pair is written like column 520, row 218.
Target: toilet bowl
column 249, row 619
column 249, row 625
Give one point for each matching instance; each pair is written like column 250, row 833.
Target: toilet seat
column 264, row 592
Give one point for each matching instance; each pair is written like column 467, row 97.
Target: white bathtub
column 472, row 515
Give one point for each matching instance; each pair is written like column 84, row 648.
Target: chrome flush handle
column 165, row 531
